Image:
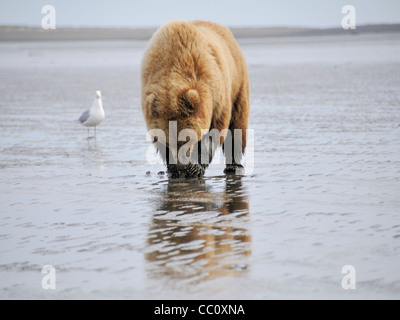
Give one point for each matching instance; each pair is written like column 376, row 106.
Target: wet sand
column 324, row 191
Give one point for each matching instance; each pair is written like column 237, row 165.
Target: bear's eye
column 185, row 106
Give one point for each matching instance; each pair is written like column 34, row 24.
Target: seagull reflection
column 200, row 230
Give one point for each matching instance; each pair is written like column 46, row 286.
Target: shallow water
column 324, row 191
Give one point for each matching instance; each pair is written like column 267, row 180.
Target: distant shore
column 21, row 33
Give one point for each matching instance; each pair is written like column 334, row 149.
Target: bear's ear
column 189, row 101
column 151, row 105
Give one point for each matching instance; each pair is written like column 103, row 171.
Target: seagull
column 95, row 115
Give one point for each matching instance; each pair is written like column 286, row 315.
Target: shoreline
column 23, row 33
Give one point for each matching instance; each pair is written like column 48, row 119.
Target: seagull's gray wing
column 84, row 116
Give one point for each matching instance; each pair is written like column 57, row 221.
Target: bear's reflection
column 200, row 230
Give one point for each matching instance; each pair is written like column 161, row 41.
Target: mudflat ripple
column 324, row 191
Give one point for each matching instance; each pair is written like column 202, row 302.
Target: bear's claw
column 234, row 169
column 194, row 170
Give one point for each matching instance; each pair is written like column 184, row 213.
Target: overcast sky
column 311, row 13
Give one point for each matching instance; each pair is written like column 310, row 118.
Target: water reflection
column 200, row 230
column 93, row 153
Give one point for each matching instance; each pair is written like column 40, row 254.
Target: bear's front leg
column 233, row 154
column 238, row 129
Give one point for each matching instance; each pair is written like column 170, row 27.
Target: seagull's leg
column 88, row 132
column 94, row 131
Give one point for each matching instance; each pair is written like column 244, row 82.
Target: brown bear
column 194, row 76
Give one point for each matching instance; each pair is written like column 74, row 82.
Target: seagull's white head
column 98, row 94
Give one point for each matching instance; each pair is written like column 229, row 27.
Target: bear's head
column 184, row 117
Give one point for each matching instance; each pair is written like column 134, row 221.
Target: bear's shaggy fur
column 195, row 73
